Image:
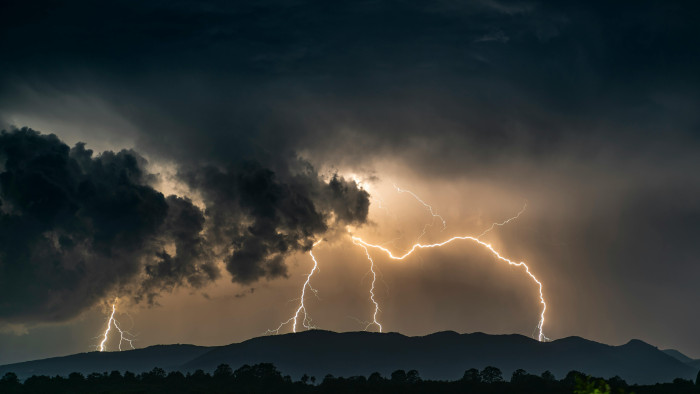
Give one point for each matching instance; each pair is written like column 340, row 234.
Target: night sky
column 185, row 156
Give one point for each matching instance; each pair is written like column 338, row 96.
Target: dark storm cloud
column 268, row 78
column 192, row 262
column 263, row 217
column 588, row 108
column 76, row 228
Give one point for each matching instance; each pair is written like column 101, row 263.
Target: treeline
column 265, row 378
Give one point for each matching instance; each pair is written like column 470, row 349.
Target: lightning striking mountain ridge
column 540, row 325
column 123, row 334
column 306, row 321
column 371, row 290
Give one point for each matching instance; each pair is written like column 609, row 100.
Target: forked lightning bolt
column 540, row 325
column 430, row 209
column 306, row 322
column 371, row 261
column 123, row 334
column 371, row 290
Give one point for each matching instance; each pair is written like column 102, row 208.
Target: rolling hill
column 442, row 355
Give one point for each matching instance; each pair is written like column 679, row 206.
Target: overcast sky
column 184, row 156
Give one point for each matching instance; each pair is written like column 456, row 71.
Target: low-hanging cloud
column 77, row 227
column 264, row 218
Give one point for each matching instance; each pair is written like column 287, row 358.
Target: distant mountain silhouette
column 695, row 364
column 169, row 357
column 678, row 356
column 443, row 355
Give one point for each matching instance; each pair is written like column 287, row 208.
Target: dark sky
column 184, row 156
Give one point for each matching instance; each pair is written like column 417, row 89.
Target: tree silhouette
column 265, row 378
column 115, row 376
column 328, row 379
column 10, row 378
column 572, row 377
column 697, row 379
column 129, row 377
column 199, row 376
column 76, row 377
column 398, row 376
column 266, row 371
column 175, row 377
column 518, row 376
column 588, row 385
column 9, row 383
column 223, row 371
column 413, row 377
column 472, row 376
column 617, row 382
column 548, row 376
column 155, row 374
column 491, row 375
column 375, row 377
column 93, row 377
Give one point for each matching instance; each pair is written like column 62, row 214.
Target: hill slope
column 694, row 364
column 443, row 355
column 169, row 357
column 678, row 356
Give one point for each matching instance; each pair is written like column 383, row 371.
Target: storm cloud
column 78, row 227
column 263, row 218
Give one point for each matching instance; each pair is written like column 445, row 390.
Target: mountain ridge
column 441, row 355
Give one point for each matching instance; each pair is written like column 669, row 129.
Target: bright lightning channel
column 306, row 321
column 123, row 334
column 540, row 326
column 371, row 290
column 372, row 296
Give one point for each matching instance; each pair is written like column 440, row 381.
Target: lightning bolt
column 540, row 326
column 377, row 309
column 430, row 209
column 504, row 222
column 123, row 334
column 307, row 321
column 371, row 290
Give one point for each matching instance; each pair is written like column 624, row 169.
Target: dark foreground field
column 265, row 378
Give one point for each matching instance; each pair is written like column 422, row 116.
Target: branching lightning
column 306, row 321
column 372, row 296
column 371, row 290
column 365, row 245
column 504, row 222
column 427, row 206
column 540, row 325
column 123, row 334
